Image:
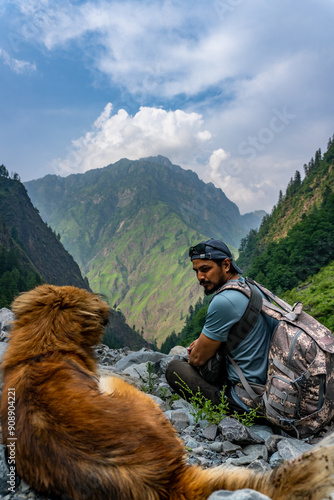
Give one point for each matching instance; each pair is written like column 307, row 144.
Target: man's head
column 213, row 264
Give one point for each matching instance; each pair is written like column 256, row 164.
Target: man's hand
column 201, row 350
column 192, row 345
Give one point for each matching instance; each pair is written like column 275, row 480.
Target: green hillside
column 129, row 226
column 143, row 267
column 307, row 247
column 300, row 199
column 317, row 295
column 17, row 273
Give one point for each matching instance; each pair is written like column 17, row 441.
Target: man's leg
column 179, row 373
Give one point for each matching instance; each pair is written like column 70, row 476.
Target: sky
column 241, row 92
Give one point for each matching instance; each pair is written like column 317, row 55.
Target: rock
column 271, row 443
column 245, row 494
column 160, row 402
column 136, row 358
column 137, row 371
column 256, row 451
column 180, row 404
column 178, row 350
column 259, row 466
column 264, row 431
column 210, row 432
column 275, row 460
column 232, row 430
column 191, row 443
column 230, row 448
column 3, row 347
column 292, row 448
column 216, row 447
column 6, row 319
column 179, row 419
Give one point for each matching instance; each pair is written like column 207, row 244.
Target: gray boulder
column 245, row 494
column 136, row 358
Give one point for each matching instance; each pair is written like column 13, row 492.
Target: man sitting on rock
column 214, row 266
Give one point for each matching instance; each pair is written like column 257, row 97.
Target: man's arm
column 201, row 350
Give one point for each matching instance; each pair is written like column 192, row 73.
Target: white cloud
column 252, row 83
column 15, row 64
column 247, row 185
column 176, row 134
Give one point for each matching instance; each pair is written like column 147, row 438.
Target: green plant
column 247, row 418
column 149, row 381
column 203, row 408
column 174, row 397
column 163, row 393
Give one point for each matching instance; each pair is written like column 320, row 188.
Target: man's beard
column 211, row 290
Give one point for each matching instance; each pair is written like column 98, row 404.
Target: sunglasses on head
column 200, row 249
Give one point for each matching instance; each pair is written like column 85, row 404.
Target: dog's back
column 73, row 439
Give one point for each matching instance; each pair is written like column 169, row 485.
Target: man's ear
column 226, row 264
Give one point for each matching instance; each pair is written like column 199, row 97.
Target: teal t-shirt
column 225, row 309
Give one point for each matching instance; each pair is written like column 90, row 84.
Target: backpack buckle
column 283, row 399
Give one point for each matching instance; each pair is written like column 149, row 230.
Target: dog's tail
column 310, row 476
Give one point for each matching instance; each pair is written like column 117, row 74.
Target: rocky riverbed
column 208, row 444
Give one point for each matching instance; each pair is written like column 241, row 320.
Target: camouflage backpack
column 299, row 391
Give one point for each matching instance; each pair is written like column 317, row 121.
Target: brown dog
column 72, row 439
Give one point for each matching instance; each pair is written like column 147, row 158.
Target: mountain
column 129, row 226
column 297, row 238
column 31, row 254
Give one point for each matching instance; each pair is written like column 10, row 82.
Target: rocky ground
column 208, row 444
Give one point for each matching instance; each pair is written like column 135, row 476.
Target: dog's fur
column 77, row 441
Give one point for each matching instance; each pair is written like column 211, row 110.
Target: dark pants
column 180, row 373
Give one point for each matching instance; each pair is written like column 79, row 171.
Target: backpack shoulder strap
column 240, row 330
column 273, row 298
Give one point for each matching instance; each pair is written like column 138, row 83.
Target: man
column 214, row 266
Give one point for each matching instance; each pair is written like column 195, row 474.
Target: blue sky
column 240, row 92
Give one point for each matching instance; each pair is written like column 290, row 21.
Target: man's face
column 210, row 274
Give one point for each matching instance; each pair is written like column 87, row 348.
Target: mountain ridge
column 129, row 226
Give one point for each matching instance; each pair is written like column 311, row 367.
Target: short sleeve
column 224, row 311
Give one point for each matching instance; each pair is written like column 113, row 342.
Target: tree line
column 14, row 277
column 308, row 246
column 4, row 173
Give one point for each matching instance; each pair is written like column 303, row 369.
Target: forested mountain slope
column 302, row 197
column 36, row 245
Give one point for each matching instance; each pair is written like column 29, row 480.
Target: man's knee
column 173, row 368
